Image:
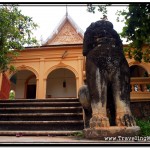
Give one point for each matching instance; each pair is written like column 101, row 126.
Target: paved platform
column 6, row 140
column 44, row 140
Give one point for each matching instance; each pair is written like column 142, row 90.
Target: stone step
column 41, row 110
column 39, row 104
column 42, row 125
column 41, row 116
column 38, row 133
column 41, row 100
column 40, row 122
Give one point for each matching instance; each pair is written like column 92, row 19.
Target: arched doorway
column 23, row 82
column 138, row 71
column 61, row 83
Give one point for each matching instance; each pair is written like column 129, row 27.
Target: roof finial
column 66, row 10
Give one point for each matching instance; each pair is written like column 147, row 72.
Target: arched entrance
column 61, row 83
column 138, row 71
column 23, row 82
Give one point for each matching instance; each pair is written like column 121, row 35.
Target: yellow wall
column 43, row 60
column 144, row 65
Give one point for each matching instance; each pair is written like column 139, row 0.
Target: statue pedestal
column 112, row 131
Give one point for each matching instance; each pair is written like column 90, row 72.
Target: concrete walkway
column 58, row 140
column 45, row 139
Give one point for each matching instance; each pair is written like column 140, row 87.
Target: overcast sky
column 49, row 16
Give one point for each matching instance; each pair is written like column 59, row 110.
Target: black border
column 69, row 3
column 74, row 144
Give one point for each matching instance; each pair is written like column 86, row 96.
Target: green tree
column 136, row 29
column 15, row 33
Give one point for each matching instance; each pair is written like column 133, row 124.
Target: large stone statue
column 107, row 72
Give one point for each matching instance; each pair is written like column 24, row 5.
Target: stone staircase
column 62, row 116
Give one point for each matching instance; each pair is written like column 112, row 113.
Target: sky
column 49, row 16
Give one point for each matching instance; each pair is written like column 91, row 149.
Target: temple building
column 57, row 68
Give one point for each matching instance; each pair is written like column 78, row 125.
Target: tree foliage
column 136, row 29
column 15, row 33
column 102, row 8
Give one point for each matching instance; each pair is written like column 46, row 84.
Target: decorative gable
column 66, row 33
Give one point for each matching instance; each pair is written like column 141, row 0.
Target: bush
column 145, row 127
column 78, row 134
column 12, row 95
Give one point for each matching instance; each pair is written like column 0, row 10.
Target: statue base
column 112, row 131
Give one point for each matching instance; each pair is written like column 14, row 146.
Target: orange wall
column 43, row 60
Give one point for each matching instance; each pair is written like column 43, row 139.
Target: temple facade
column 57, row 68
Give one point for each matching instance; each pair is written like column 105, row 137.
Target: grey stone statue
column 107, row 71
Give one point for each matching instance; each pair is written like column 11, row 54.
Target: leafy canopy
column 136, row 29
column 15, row 33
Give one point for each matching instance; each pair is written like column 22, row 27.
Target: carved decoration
column 61, row 64
column 67, row 35
column 23, row 67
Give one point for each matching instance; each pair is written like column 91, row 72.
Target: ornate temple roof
column 67, row 32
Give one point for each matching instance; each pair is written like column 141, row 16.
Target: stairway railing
column 140, row 89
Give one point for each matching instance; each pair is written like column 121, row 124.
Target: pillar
column 41, row 83
column 80, row 71
column 77, row 85
column 1, row 77
column 37, row 88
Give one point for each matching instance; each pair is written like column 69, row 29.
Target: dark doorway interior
column 31, row 91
